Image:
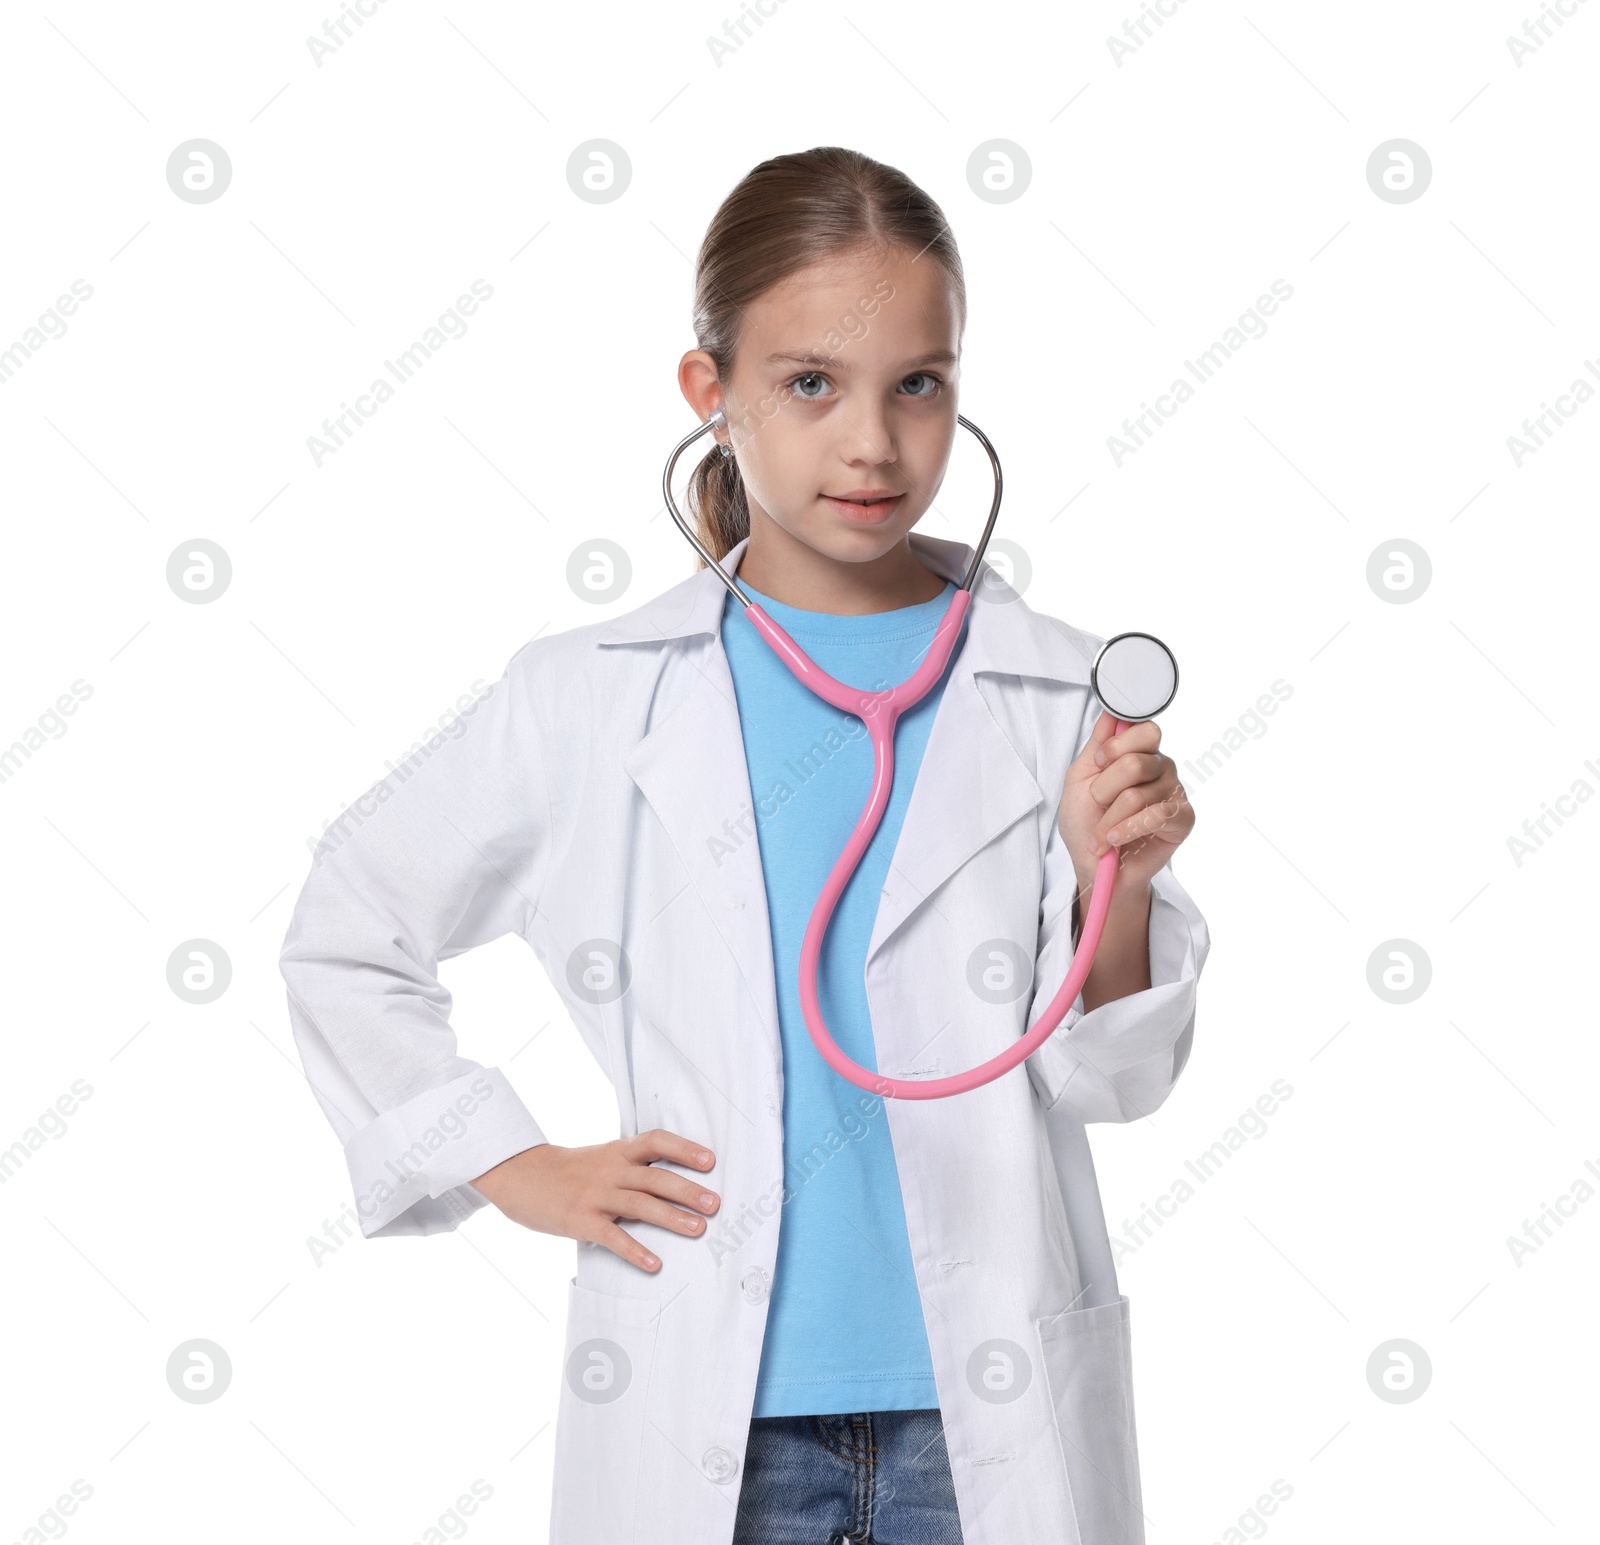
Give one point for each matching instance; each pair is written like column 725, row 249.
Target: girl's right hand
column 579, row 1193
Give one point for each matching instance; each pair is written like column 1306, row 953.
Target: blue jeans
column 875, row 1476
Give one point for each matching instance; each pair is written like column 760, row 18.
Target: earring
column 727, row 450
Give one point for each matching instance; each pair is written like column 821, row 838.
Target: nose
column 869, row 434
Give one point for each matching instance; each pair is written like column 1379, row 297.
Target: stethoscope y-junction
column 1133, row 675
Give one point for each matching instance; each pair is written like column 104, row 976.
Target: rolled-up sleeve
column 445, row 853
column 1120, row 1061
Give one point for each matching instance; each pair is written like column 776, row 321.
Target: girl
column 837, row 1316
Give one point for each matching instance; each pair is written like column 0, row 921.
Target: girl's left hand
column 1131, row 800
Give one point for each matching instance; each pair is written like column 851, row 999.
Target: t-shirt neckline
column 868, row 627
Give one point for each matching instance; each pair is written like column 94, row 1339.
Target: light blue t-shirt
column 845, row 1331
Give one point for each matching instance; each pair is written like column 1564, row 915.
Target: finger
column 1168, row 816
column 1143, row 736
column 684, row 1190
column 658, row 1143
column 1115, row 817
column 1125, row 808
column 621, row 1242
column 644, row 1207
column 1098, row 736
column 1132, row 769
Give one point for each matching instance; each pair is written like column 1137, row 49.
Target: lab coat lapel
column 691, row 768
column 972, row 784
column 970, row 788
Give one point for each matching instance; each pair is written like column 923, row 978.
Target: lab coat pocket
column 1088, row 1365
column 600, row 1419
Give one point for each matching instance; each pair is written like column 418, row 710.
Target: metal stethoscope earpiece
column 719, row 419
column 1134, row 676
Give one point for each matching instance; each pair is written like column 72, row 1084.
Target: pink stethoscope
column 1130, row 672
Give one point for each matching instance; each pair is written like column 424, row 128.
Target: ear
column 702, row 389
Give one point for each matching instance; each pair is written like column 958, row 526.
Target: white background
column 368, row 593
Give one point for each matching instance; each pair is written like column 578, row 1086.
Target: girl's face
column 841, row 404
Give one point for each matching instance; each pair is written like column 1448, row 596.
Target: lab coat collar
column 1003, row 633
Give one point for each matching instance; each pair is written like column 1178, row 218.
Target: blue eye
column 810, row 375
column 922, row 375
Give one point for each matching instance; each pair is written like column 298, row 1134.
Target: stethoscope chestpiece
column 1134, row 675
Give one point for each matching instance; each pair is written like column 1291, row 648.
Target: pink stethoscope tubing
column 880, row 712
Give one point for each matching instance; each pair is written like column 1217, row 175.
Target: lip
column 873, row 514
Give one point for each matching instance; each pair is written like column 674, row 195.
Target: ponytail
column 717, row 502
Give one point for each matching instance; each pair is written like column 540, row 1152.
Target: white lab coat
column 598, row 797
